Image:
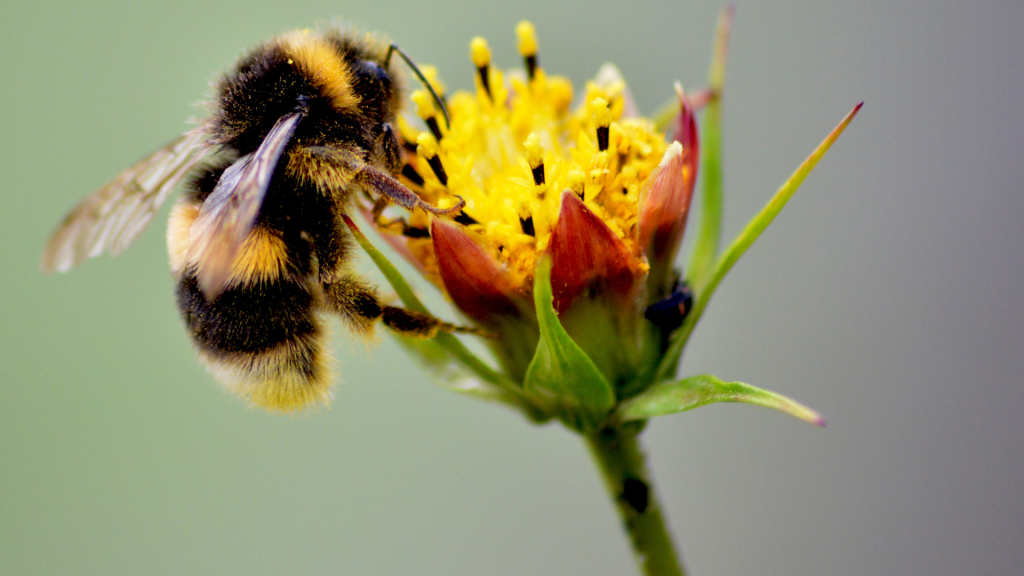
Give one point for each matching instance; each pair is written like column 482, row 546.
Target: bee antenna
column 416, row 70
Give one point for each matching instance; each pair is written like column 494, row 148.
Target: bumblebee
column 258, row 244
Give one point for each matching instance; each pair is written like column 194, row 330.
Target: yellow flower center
column 515, row 145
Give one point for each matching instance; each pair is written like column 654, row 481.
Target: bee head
column 342, row 85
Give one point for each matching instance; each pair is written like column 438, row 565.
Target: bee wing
column 111, row 218
column 230, row 211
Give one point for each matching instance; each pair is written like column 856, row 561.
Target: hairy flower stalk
column 565, row 256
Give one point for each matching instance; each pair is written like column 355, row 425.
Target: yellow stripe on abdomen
column 179, row 229
column 262, row 258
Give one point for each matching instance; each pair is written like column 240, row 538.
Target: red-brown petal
column 587, row 256
column 665, row 200
column 472, row 278
column 664, row 203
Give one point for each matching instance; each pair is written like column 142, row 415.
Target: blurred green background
column 887, row 295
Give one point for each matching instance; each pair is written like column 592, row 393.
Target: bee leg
column 419, row 325
column 396, row 225
column 347, row 169
column 413, row 324
column 394, row 191
column 359, row 306
column 354, row 301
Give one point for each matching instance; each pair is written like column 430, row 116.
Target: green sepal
column 561, row 377
column 689, row 393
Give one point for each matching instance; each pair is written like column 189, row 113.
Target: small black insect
column 669, row 313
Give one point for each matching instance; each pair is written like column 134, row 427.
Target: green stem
column 705, row 249
column 622, row 463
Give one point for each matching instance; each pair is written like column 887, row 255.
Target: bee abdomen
column 262, row 342
column 247, row 318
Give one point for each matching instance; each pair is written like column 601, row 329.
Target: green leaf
column 739, row 246
column 449, row 343
column 561, row 376
column 680, row 396
column 705, row 249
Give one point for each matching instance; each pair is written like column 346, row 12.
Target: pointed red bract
column 665, row 201
column 587, row 257
column 472, row 278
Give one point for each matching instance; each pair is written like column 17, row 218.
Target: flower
column 594, row 187
column 564, row 253
column 564, row 256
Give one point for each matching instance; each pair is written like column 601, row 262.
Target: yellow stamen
column 527, row 39
column 481, row 56
column 603, row 120
column 534, row 151
column 426, row 147
column 528, row 47
column 480, row 52
column 602, row 115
